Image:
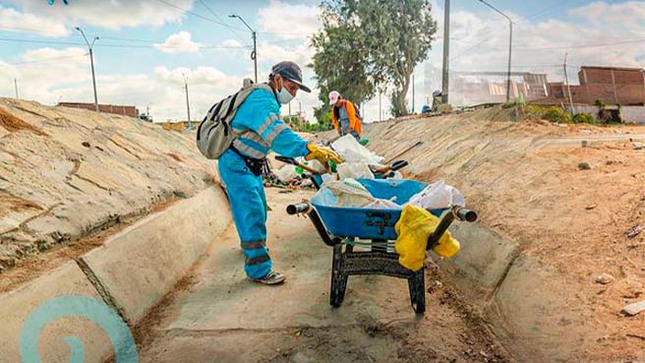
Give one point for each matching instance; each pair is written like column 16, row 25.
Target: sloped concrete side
column 137, row 267
column 17, row 306
column 483, row 262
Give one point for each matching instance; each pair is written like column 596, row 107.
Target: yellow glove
column 322, row 154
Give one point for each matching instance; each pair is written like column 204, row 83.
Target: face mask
column 284, row 96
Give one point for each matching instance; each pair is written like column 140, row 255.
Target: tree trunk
column 399, row 105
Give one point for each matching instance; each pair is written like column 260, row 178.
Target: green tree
column 366, row 44
column 338, row 63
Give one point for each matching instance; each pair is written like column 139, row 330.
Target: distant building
column 483, row 87
column 612, row 85
column 131, row 111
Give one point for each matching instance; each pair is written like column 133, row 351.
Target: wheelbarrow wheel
column 416, row 284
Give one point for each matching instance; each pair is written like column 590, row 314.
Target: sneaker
column 272, row 278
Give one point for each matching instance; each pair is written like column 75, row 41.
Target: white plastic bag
column 354, row 171
column 349, row 193
column 438, row 195
column 383, row 204
column 286, row 173
column 351, row 151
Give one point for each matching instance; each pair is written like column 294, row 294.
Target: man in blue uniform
column 261, row 129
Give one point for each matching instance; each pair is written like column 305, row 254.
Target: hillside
column 527, row 181
column 68, row 173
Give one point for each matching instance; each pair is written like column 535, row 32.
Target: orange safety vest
column 355, row 123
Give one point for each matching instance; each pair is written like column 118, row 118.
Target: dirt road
column 219, row 316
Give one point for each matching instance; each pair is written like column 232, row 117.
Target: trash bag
column 354, row 171
column 383, row 204
column 413, row 229
column 349, row 193
column 352, row 151
column 286, row 173
column 437, row 196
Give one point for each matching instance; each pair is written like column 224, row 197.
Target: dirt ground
column 527, row 181
column 217, row 315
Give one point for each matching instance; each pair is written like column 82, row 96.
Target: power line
column 587, row 45
column 230, row 28
column 38, row 41
column 44, row 60
column 153, row 45
column 193, row 13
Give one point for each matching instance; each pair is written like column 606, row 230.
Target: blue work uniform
column 258, row 122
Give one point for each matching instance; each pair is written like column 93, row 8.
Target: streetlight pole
column 254, row 55
column 89, row 46
column 445, row 79
column 187, row 102
column 510, row 45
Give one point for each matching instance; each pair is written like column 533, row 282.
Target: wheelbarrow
column 344, row 228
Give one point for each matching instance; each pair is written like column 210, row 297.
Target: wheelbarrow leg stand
column 372, row 263
column 417, row 287
column 338, row 277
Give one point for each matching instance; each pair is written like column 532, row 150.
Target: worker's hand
column 322, row 154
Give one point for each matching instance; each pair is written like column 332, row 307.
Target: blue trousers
column 249, row 206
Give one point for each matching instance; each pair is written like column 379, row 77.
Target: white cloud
column 289, row 21
column 15, row 21
column 479, row 42
column 300, row 53
column 232, row 43
column 111, row 14
column 179, row 43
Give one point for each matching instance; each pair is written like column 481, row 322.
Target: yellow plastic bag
column 413, row 229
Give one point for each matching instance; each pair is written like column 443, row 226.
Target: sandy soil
column 70, row 177
column 527, row 182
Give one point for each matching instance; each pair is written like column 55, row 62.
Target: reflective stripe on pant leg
column 249, row 211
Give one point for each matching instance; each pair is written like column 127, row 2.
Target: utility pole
column 15, row 83
column 379, row 106
column 412, row 92
column 187, row 102
column 566, row 78
column 446, row 50
column 89, row 46
column 254, row 54
column 510, row 48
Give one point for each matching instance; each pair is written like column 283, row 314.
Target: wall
column 628, row 113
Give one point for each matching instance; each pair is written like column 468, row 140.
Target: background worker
column 344, row 116
column 261, row 129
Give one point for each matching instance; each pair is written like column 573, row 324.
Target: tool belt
column 255, row 165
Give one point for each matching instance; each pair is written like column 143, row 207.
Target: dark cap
column 290, row 71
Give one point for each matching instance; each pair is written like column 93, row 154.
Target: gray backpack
column 214, row 134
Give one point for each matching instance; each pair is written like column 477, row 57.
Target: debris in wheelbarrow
column 373, row 230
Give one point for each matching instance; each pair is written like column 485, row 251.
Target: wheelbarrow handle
column 399, row 164
column 293, row 161
column 287, row 160
column 298, row 208
column 463, row 214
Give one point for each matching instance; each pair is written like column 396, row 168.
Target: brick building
column 612, row 85
column 115, row 109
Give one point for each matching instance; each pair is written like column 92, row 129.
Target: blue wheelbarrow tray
column 365, row 223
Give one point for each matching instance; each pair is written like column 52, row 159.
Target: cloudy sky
column 146, row 47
